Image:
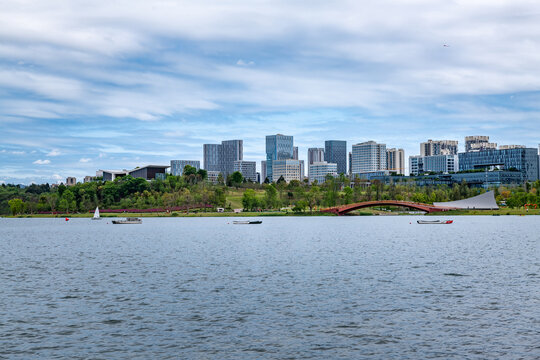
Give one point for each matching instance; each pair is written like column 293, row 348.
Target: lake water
column 290, row 288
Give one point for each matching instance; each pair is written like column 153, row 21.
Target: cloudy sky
column 117, row 84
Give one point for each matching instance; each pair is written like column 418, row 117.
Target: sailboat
column 96, row 214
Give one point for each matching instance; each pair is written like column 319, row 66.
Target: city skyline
column 123, row 84
column 303, row 156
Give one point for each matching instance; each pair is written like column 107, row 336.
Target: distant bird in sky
column 446, row 45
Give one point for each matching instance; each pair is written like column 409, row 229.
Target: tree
column 203, row 174
column 51, row 200
column 220, row 179
column 67, row 201
column 189, row 170
column 348, row 195
column 236, row 178
column 300, row 206
column 312, row 197
column 16, row 206
column 271, row 197
column 249, row 200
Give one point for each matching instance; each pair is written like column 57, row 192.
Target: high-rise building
column 395, row 161
column 263, row 171
column 368, row 157
column 315, row 155
column 248, row 169
column 318, row 171
column 478, row 143
column 231, row 151
column 350, row 163
column 278, row 147
column 70, row 181
column 506, row 147
column 335, row 151
column 439, row 147
column 177, row 166
column 221, row 157
column 295, row 153
column 522, row 160
column 438, row 163
column 290, row 170
column 211, row 157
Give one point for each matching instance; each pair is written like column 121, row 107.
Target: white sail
column 96, row 213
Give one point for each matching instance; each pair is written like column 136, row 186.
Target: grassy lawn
column 234, row 197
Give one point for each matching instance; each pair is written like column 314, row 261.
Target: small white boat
column 435, row 221
column 96, row 214
column 247, row 222
column 129, row 220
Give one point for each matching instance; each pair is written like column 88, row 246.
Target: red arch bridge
column 344, row 209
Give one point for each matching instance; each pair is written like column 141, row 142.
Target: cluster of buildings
column 439, row 162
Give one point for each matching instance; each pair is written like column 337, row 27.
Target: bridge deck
column 341, row 210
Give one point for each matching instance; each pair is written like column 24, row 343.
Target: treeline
column 192, row 189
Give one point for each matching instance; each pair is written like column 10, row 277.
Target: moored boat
column 435, row 221
column 247, row 222
column 129, row 220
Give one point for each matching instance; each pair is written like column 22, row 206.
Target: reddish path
column 341, row 210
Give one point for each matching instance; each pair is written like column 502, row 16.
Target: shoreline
column 500, row 212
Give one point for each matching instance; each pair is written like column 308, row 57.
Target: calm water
column 291, row 288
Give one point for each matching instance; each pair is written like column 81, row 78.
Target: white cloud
column 243, row 63
column 57, row 177
column 54, row 152
column 42, row 162
column 85, row 160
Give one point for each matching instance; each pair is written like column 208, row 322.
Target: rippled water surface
column 290, row 288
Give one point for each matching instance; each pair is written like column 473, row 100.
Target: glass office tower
column 335, row 151
column 278, row 147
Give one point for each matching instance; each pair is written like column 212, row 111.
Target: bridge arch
column 344, row 209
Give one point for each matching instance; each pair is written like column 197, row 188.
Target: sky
column 116, row 84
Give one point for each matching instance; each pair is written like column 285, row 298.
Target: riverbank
column 364, row 212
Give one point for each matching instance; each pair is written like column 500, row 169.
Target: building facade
column 213, row 176
column 177, row 166
column 315, row 155
column 368, row 157
column 478, row 143
column 263, row 171
column 70, row 181
column 278, row 147
column 439, row 164
column 295, row 153
column 290, row 170
column 335, row 151
column 150, row 172
column 439, row 147
column 320, row 169
column 110, row 175
column 211, row 154
column 231, row 151
column 221, row 157
column 522, row 160
column 395, row 161
column 248, row 169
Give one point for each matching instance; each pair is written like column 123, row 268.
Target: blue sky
column 119, row 84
